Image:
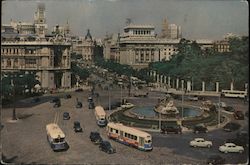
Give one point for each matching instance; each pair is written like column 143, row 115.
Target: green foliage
column 209, row 66
column 78, row 71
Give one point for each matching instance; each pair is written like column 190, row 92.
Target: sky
column 199, row 19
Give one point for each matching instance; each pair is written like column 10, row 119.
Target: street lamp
column 219, row 112
column 109, row 97
column 159, row 121
column 120, row 83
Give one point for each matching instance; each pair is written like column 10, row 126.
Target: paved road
column 25, row 140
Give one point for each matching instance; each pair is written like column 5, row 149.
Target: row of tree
column 191, row 62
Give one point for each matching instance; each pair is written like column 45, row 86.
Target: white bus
column 233, row 93
column 100, row 115
column 130, row 136
column 56, row 137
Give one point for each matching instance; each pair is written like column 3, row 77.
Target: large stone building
column 84, row 46
column 23, row 49
column 138, row 46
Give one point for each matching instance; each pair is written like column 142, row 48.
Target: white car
column 231, row 147
column 193, row 98
column 222, row 104
column 200, row 142
column 127, row 105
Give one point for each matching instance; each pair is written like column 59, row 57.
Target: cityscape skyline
column 99, row 18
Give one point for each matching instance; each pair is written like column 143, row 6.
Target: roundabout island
column 166, row 112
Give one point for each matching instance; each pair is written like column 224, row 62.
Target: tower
column 40, row 21
column 165, row 30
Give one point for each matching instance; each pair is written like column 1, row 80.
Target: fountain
column 167, row 108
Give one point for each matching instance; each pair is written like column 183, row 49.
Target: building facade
column 138, row 46
column 27, row 48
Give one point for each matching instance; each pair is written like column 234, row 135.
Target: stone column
column 217, row 87
column 232, row 86
column 188, row 86
column 182, row 85
column 165, row 79
column 203, row 86
column 161, row 79
column 177, row 83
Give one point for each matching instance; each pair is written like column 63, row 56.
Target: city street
column 25, row 139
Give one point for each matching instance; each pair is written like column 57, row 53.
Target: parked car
column 91, row 105
column 231, row 147
column 216, row 160
column 77, row 126
column 229, row 127
column 229, row 109
column 95, row 137
column 171, row 129
column 57, row 104
column 66, row 116
column 200, row 129
column 127, row 105
column 238, row 115
column 67, row 96
column 200, row 142
column 78, row 105
column 222, row 104
column 244, row 137
column 106, row 147
column 79, row 90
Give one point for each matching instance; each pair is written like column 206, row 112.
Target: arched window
column 15, row 63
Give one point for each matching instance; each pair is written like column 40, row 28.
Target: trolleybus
column 130, row 136
column 100, row 115
column 56, row 137
column 234, row 93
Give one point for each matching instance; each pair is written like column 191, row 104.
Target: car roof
column 227, row 144
column 199, row 139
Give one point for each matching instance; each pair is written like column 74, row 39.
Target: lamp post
column 120, row 83
column 109, row 97
column 219, row 112
column 159, row 121
column 182, row 99
column 14, row 96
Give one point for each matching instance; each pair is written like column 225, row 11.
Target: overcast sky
column 199, row 19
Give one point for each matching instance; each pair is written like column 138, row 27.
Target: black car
column 238, row 115
column 171, row 129
column 229, row 127
column 229, row 109
column 67, row 96
column 77, row 126
column 216, row 160
column 57, row 104
column 200, row 129
column 106, row 147
column 91, row 105
column 66, row 116
column 79, row 105
column 243, row 136
column 95, row 137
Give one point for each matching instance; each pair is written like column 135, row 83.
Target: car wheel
column 240, row 151
column 196, row 132
column 225, row 152
column 208, row 146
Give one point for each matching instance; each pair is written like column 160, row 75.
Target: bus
column 233, row 93
column 56, row 137
column 100, row 115
column 130, row 136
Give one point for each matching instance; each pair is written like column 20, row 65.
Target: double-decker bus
column 233, row 93
column 56, row 137
column 130, row 136
column 100, row 115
